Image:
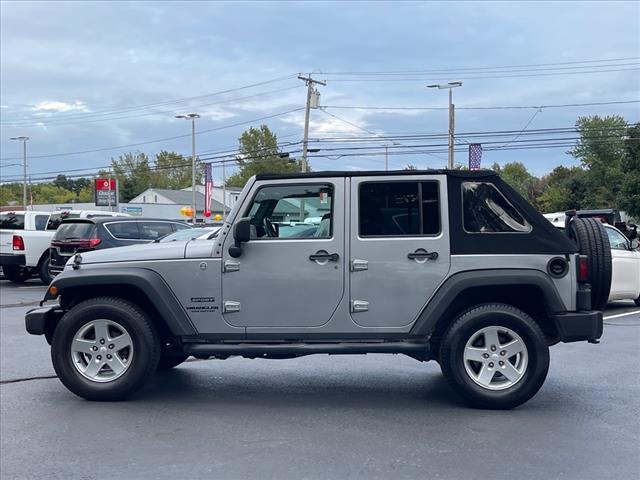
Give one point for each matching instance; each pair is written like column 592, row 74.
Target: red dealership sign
column 106, row 192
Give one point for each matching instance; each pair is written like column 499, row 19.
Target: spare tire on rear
column 593, row 241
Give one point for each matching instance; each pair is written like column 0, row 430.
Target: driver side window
column 292, row 211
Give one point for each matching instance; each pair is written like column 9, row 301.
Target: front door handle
column 322, row 256
column 422, row 254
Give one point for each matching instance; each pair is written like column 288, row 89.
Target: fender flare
column 148, row 281
column 449, row 290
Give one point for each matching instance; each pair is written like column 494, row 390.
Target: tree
column 10, row 193
column 563, row 189
column 630, row 189
column 601, row 149
column 517, row 175
column 172, row 170
column 134, row 174
column 259, row 153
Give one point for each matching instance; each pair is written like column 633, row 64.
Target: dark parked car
column 86, row 234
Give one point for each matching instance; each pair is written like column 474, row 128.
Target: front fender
column 149, row 282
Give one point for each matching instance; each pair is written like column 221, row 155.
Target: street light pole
column 192, row 117
column 452, row 116
column 24, row 169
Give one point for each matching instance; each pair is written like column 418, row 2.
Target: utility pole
column 24, row 168
column 311, row 91
column 386, row 158
column 452, row 116
column 224, row 191
column 192, row 117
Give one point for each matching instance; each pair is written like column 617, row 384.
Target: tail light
column 81, row 243
column 583, row 269
column 18, row 242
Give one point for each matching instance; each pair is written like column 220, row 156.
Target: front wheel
column 104, row 349
column 495, row 356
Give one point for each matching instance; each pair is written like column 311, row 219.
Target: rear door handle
column 322, row 256
column 422, row 254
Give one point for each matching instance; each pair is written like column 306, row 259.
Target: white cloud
column 56, row 106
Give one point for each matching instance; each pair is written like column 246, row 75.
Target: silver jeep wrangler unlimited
column 452, row 266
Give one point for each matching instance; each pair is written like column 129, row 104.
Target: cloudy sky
column 87, row 81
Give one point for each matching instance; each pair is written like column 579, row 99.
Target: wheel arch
column 143, row 287
column 529, row 290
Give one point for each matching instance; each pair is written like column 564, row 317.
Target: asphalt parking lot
column 326, row 417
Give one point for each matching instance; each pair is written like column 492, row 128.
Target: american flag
column 475, row 156
column 208, row 189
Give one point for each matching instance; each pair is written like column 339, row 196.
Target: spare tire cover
column 593, row 241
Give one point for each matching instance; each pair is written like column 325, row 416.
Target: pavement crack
column 27, row 379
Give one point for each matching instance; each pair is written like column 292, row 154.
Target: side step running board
column 297, row 349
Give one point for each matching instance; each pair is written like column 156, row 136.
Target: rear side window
column 486, row 210
column 154, row 230
column 11, row 221
column 399, row 209
column 41, row 221
column 75, row 231
column 124, row 230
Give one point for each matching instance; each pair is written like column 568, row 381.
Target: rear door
column 399, row 247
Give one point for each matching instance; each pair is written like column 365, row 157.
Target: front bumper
column 12, row 259
column 39, row 321
column 579, row 326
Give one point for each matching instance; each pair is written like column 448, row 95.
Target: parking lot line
column 618, row 315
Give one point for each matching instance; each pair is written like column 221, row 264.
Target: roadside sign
column 106, row 192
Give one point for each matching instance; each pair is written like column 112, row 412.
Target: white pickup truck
column 25, row 238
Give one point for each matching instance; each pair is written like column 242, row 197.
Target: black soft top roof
column 476, row 174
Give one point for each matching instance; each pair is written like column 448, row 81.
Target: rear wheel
column 593, row 241
column 637, row 301
column 495, row 356
column 43, row 270
column 16, row 273
column 104, row 349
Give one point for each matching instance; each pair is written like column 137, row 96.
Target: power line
column 480, row 78
column 160, row 139
column 364, row 129
column 485, row 68
column 505, row 107
column 169, row 102
column 55, row 122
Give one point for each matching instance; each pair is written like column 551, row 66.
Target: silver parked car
column 451, row 266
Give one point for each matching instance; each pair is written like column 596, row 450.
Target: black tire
column 637, row 301
column 467, row 325
column 43, row 270
column 593, row 241
column 16, row 273
column 167, row 362
column 146, row 345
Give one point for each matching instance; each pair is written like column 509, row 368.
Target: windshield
column 56, row 218
column 74, row 231
column 11, row 221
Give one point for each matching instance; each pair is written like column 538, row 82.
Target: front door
column 399, row 245
column 291, row 272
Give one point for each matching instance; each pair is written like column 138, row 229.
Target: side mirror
column 241, row 234
column 635, row 244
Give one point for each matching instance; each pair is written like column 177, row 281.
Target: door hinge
column 359, row 306
column 358, row 265
column 231, row 307
column 230, row 266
